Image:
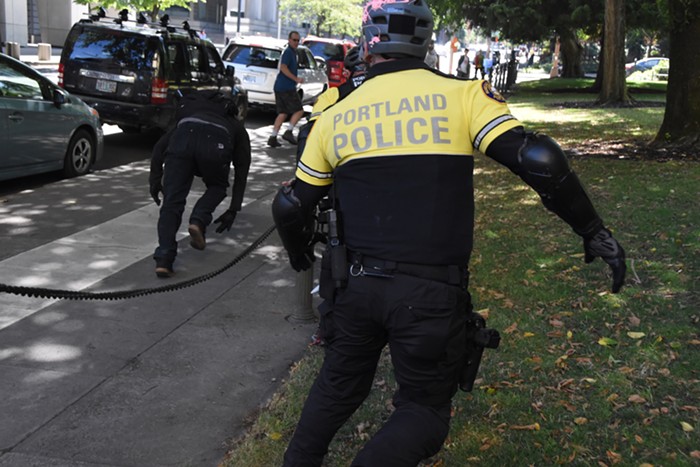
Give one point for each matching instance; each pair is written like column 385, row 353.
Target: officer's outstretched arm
column 292, row 211
column 542, row 164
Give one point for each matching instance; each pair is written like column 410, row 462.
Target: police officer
column 356, row 67
column 206, row 140
column 397, row 156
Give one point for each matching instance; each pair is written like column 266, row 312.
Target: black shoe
column 197, row 240
column 289, row 137
column 273, row 143
column 164, row 269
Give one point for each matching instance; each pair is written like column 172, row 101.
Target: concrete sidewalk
column 162, row 379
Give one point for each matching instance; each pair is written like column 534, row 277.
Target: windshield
column 252, row 55
column 125, row 50
column 326, row 50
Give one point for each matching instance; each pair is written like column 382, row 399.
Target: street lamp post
column 238, row 23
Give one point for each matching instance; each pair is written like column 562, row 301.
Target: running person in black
column 205, row 142
column 398, row 155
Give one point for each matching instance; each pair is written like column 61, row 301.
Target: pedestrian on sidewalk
column 479, row 65
column 463, row 65
column 206, row 140
column 287, row 99
column 406, row 201
column 432, row 59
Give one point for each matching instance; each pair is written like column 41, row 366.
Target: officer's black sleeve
column 504, row 149
column 158, row 158
column 552, row 178
column 241, row 165
column 309, row 195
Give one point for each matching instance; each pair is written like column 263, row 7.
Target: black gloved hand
column 604, row 245
column 155, row 189
column 303, row 261
column 226, row 220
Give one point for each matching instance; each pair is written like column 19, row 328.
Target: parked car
column 43, row 128
column 134, row 74
column 333, row 52
column 645, row 64
column 256, row 60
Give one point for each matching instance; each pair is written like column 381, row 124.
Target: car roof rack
column 123, row 17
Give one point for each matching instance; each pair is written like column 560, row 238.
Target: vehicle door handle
column 16, row 117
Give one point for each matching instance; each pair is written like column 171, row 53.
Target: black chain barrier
column 123, row 294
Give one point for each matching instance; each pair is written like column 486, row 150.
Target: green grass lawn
column 582, row 376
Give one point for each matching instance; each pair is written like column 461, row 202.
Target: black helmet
column 397, row 28
column 353, row 60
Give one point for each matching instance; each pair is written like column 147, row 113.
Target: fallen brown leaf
column 636, row 399
column 534, row 427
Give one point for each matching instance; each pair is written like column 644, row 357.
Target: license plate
column 251, row 79
column 105, row 86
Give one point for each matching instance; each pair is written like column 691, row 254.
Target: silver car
column 256, row 61
column 42, row 127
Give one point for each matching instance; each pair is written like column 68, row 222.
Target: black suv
column 134, row 73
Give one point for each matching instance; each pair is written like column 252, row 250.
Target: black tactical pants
column 423, row 323
column 195, row 149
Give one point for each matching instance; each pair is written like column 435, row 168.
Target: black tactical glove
column 156, row 188
column 604, row 245
column 226, row 220
column 303, row 261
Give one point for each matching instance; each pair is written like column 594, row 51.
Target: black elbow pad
column 294, row 225
column 545, row 167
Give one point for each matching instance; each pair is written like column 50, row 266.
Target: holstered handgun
column 334, row 263
column 478, row 338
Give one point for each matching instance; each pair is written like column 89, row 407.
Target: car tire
column 80, row 154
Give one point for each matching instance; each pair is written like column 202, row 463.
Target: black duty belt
column 361, row 265
column 201, row 122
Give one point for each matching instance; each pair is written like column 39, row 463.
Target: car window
column 178, row 58
column 251, row 55
column 14, row 84
column 215, row 63
column 307, row 59
column 119, row 48
column 326, row 50
column 198, row 60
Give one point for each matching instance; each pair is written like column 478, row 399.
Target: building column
column 56, row 17
column 13, row 21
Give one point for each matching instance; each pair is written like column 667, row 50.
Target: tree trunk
column 681, row 124
column 571, row 53
column 614, row 87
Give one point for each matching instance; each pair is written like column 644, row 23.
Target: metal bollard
column 44, row 52
column 303, row 311
column 13, row 49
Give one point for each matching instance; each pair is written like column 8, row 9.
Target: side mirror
column 322, row 65
column 230, row 71
column 59, row 98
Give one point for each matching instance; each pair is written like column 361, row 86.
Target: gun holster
column 478, row 337
column 334, row 270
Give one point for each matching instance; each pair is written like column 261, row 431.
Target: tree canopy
column 150, row 6
column 330, row 18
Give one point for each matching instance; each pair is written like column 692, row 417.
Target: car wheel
column 80, row 154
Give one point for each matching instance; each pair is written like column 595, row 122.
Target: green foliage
column 328, row 18
column 152, row 7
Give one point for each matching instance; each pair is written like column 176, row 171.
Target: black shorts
column 287, row 102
